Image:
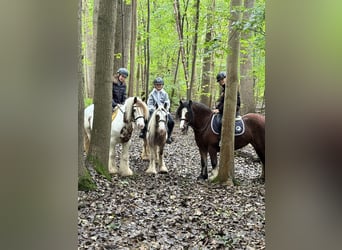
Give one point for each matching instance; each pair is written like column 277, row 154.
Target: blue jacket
column 118, row 93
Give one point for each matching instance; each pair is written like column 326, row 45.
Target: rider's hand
column 216, row 111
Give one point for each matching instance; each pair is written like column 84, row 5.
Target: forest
column 186, row 43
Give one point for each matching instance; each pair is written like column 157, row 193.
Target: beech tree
column 226, row 165
column 100, row 136
column 246, row 64
column 84, row 179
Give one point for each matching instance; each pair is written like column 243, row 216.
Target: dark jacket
column 118, row 92
column 220, row 105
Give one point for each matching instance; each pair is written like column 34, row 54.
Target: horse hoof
column 126, row 173
column 202, row 177
column 113, row 170
column 151, row 172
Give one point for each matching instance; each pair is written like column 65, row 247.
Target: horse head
column 161, row 116
column 184, row 113
column 136, row 110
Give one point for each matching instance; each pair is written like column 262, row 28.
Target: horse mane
column 128, row 108
column 202, row 107
column 152, row 122
column 130, row 101
column 140, row 103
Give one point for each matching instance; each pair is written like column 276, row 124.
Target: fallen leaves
column 174, row 210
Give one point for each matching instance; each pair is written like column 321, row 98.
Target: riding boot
column 143, row 132
column 169, row 139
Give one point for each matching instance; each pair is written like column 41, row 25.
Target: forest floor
column 174, row 210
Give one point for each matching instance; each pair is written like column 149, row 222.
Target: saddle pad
column 114, row 113
column 216, row 125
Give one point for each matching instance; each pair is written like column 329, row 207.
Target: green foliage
column 87, row 102
column 164, row 42
column 85, row 182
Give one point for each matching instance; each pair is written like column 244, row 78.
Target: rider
column 221, row 79
column 158, row 96
column 119, row 87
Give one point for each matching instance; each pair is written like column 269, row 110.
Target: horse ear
column 156, row 105
column 135, row 100
column 165, row 105
column 180, row 102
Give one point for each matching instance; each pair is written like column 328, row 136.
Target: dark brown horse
column 198, row 116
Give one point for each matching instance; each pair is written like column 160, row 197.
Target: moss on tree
column 85, row 182
column 100, row 168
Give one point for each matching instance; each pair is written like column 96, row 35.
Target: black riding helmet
column 158, row 80
column 123, row 71
column 221, row 76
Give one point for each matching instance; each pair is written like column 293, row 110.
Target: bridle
column 134, row 118
column 186, row 121
column 135, row 107
column 162, row 120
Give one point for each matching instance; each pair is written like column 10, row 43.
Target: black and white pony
column 134, row 110
column 155, row 140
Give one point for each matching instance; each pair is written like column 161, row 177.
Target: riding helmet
column 158, row 80
column 221, row 76
column 123, row 71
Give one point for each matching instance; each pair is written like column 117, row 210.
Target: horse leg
column 204, row 164
column 111, row 161
column 145, row 151
column 259, row 148
column 163, row 168
column 124, row 161
column 86, row 141
column 213, row 160
column 152, row 165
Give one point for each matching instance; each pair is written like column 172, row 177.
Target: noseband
column 185, row 119
column 162, row 120
column 133, row 112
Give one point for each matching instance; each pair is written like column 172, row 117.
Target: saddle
column 115, row 112
column 216, row 125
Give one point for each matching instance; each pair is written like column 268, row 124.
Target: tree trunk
column 147, row 71
column 206, row 67
column 194, row 49
column 84, row 179
column 181, row 46
column 226, row 166
column 126, row 31
column 175, row 75
column 246, row 67
column 132, row 48
column 85, row 37
column 93, row 51
column 118, row 36
column 100, row 137
column 81, row 166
